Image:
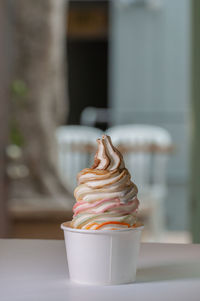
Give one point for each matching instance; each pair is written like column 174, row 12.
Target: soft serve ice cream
column 106, row 198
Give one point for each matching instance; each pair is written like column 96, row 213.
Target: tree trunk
column 5, row 56
column 40, row 39
column 195, row 129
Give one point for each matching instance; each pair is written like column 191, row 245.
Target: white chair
column 76, row 148
column 145, row 149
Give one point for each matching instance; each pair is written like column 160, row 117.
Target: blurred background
column 72, row 70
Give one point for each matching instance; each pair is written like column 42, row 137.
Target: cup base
column 102, row 257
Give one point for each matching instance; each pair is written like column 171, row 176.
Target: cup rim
column 84, row 231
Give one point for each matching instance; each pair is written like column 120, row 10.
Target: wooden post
column 195, row 119
column 5, row 55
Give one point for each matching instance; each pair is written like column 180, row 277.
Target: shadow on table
column 171, row 271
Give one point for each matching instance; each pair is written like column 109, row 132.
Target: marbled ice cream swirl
column 106, row 197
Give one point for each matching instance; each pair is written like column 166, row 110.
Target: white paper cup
column 102, row 257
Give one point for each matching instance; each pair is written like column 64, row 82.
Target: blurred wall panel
column 149, row 76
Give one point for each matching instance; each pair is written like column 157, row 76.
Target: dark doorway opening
column 87, row 52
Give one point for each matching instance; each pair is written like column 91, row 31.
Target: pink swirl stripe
column 116, row 205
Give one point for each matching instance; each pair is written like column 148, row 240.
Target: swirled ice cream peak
column 106, row 197
column 107, row 156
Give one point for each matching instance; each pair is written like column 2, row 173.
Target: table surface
column 36, row 270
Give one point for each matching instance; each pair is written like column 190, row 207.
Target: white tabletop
column 36, row 270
